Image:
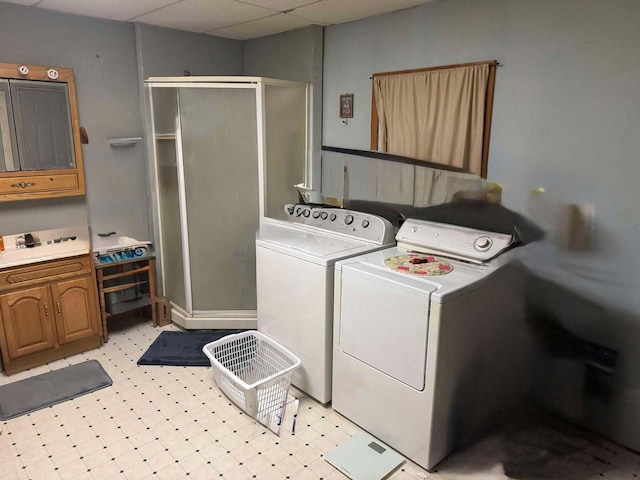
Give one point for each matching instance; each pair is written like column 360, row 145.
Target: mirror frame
column 66, row 185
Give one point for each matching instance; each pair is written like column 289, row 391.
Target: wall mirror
column 40, row 151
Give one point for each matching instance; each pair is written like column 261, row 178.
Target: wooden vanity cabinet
column 27, row 326
column 48, row 311
column 75, row 306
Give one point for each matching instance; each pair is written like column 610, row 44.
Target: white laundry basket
column 254, row 371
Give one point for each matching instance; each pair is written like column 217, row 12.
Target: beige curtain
column 434, row 115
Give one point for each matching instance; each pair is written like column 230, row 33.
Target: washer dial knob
column 348, row 219
column 316, row 214
column 482, row 244
column 290, row 209
column 298, row 211
column 365, row 223
column 324, row 215
column 332, row 217
column 306, row 212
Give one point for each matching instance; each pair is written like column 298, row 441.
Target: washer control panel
column 355, row 224
column 451, row 240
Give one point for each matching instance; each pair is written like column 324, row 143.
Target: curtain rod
column 444, row 67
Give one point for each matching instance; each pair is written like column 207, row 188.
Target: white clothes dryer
column 426, row 346
column 295, row 270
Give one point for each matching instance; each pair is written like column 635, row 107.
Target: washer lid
column 310, row 243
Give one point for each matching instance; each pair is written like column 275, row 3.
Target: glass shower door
column 165, row 130
column 219, row 150
column 225, row 153
column 285, row 112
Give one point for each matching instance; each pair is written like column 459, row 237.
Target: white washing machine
column 429, row 337
column 295, row 270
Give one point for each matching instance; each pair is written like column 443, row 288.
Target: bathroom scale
column 362, row 457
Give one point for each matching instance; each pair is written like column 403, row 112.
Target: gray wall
column 163, row 52
column 295, row 55
column 102, row 55
column 565, row 118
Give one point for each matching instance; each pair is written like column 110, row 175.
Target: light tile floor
column 173, row 422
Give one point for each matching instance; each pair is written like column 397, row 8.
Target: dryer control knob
column 365, row 223
column 332, row 217
column 324, row 215
column 316, row 214
column 298, row 211
column 348, row 219
column 306, row 212
column 290, row 209
column 482, row 244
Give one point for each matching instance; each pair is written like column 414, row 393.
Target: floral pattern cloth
column 418, row 264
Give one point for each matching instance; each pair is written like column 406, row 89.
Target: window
column 441, row 115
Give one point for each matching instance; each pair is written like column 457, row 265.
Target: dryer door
column 384, row 322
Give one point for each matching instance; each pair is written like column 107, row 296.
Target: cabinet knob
column 46, row 309
column 58, row 306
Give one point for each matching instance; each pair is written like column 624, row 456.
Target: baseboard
column 215, row 320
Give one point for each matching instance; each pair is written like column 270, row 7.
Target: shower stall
column 224, row 152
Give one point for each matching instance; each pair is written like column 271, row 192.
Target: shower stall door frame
column 187, row 317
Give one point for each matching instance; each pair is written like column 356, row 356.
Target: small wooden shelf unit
column 143, row 270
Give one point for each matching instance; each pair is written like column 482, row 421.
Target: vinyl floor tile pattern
column 173, row 422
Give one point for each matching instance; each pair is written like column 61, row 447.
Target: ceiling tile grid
column 237, row 19
column 261, row 27
column 341, row 11
column 279, row 5
column 203, row 15
column 112, row 9
column 27, row 3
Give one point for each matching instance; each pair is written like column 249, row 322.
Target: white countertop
column 13, row 256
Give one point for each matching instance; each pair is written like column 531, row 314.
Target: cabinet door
column 28, row 321
column 75, row 309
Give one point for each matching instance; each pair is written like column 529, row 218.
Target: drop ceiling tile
column 28, row 3
column 203, row 15
column 111, row 9
column 231, row 18
column 339, row 11
column 279, row 5
column 262, row 27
